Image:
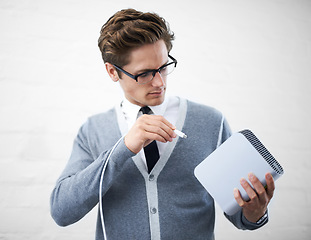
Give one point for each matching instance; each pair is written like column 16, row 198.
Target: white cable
column 100, row 189
column 220, row 131
column 180, row 134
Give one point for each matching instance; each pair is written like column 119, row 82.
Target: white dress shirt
column 168, row 109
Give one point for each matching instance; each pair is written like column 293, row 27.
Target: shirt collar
column 160, row 109
column 131, row 110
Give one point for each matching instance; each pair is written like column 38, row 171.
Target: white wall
column 250, row 59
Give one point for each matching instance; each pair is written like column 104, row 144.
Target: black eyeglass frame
column 135, row 77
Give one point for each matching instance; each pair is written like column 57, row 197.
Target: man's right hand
column 148, row 128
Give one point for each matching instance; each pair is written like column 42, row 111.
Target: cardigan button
column 153, row 210
column 151, row 177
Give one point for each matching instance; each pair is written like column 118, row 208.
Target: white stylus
column 180, row 134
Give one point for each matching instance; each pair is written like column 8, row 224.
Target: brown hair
column 129, row 29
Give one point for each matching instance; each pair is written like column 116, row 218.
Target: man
column 148, row 195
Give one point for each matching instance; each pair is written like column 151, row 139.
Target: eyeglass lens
column 148, row 76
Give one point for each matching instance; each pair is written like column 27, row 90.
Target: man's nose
column 158, row 80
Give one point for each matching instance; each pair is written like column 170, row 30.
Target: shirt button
column 151, row 177
column 153, row 210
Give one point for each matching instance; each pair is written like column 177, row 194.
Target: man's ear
column 112, row 72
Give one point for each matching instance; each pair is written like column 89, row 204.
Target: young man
column 148, row 195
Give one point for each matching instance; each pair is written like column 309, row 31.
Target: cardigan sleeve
column 241, row 222
column 77, row 189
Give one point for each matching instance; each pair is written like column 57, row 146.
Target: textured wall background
column 250, row 59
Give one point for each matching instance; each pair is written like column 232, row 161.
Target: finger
column 270, row 185
column 156, row 133
column 159, row 125
column 238, row 197
column 141, row 133
column 258, row 187
column 153, row 137
column 156, row 118
column 249, row 190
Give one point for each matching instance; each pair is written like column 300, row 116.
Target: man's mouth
column 157, row 92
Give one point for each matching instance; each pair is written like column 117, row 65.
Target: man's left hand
column 260, row 197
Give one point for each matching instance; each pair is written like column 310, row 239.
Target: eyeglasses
column 147, row 76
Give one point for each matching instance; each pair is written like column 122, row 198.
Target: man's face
column 147, row 57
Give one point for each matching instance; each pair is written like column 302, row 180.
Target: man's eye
column 163, row 70
column 146, row 74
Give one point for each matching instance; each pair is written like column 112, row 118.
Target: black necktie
column 151, row 150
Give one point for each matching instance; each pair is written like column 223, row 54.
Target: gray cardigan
column 169, row 203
